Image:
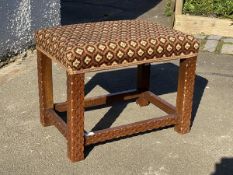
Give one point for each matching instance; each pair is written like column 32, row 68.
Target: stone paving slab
column 210, row 45
column 199, row 36
column 215, row 43
column 214, row 37
column 227, row 49
column 228, row 40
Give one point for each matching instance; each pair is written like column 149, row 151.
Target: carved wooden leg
column 143, row 82
column 185, row 94
column 44, row 66
column 75, row 117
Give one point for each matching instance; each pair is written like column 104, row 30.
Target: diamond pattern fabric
column 102, row 45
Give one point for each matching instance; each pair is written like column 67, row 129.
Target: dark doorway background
column 79, row 11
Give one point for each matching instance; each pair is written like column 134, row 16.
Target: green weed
column 215, row 8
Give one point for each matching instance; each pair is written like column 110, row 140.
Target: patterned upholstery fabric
column 102, row 45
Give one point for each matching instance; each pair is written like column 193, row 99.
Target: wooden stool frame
column 73, row 130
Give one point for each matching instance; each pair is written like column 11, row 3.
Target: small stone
column 210, row 45
column 199, row 36
column 227, row 49
column 228, row 40
column 214, row 37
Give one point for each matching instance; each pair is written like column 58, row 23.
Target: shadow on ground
column 94, row 10
column 225, row 167
column 163, row 80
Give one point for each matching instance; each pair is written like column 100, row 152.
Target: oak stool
column 87, row 47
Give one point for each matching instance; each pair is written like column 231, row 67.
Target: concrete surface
column 28, row 148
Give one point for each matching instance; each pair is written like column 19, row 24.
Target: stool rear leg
column 185, row 94
column 143, row 82
column 75, row 117
column 45, row 83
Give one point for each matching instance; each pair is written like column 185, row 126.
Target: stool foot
column 182, row 130
column 142, row 102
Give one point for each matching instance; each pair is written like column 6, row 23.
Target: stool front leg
column 185, row 94
column 45, row 83
column 75, row 117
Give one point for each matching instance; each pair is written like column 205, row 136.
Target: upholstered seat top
column 103, row 45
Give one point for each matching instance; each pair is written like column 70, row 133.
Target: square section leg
column 185, row 94
column 143, row 82
column 75, row 117
column 44, row 66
